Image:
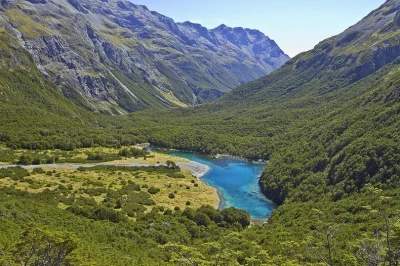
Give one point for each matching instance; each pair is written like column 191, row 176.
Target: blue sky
column 296, row 25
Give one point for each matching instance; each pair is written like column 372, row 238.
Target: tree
column 390, row 220
column 370, row 252
column 202, row 219
column 36, row 161
column 183, row 255
column 172, row 165
column 324, row 249
column 25, row 160
column 40, row 247
column 232, row 215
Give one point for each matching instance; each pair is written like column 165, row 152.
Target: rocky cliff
column 116, row 57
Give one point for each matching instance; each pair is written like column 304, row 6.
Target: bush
column 171, row 195
column 153, row 190
column 15, row 173
column 168, row 212
column 94, row 157
column 36, row 161
column 176, row 175
column 38, row 170
column 25, row 160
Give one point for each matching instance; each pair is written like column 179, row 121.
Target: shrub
column 36, row 161
column 153, row 190
column 38, row 170
column 168, row 212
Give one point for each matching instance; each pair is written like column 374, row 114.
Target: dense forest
column 327, row 122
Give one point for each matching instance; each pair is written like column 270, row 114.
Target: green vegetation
column 93, row 219
column 328, row 123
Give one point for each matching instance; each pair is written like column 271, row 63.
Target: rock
column 166, row 224
column 8, row 3
column 37, row 1
column 78, row 6
column 121, row 57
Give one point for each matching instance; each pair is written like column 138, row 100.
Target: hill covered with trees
column 327, row 122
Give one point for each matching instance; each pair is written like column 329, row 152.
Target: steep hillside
column 34, row 115
column 309, row 86
column 330, row 114
column 327, row 122
column 120, row 57
column 29, row 103
column 333, row 64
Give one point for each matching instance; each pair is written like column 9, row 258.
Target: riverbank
column 236, row 182
column 214, row 156
column 199, row 170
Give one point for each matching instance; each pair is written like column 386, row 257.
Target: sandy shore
column 197, row 169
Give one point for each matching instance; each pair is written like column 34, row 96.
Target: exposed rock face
column 122, row 57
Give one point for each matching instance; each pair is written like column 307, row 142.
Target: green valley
column 327, row 123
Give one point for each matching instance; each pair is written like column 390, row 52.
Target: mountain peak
column 221, row 27
column 132, row 58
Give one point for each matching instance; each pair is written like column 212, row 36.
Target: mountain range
column 115, row 57
column 326, row 123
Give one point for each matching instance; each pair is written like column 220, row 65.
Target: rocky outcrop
column 78, row 6
column 123, row 57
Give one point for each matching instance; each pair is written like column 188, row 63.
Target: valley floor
column 188, row 186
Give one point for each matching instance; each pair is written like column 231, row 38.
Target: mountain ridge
column 327, row 123
column 121, row 57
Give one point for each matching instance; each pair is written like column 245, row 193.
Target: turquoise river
column 236, row 182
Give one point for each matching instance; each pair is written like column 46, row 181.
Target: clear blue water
column 236, row 182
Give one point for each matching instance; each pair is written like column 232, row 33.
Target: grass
column 115, row 35
column 26, row 25
column 9, row 156
column 173, row 99
column 185, row 189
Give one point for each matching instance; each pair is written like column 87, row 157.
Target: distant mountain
column 120, row 57
column 334, row 63
column 328, row 120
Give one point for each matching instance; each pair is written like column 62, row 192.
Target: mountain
column 307, row 117
column 334, row 63
column 120, row 57
column 326, row 123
